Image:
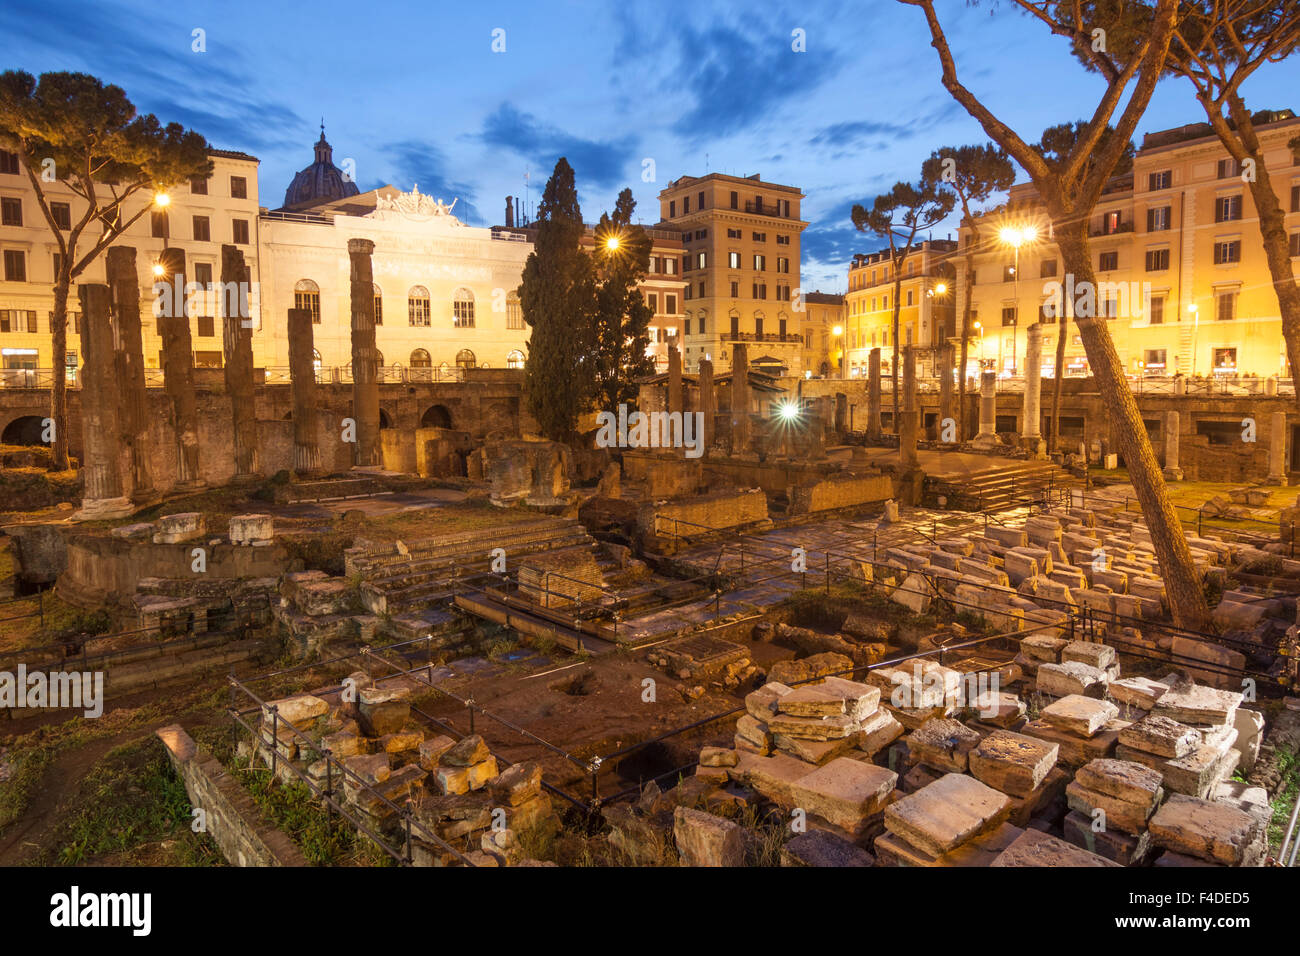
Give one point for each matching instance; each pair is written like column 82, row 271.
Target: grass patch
column 132, row 807
column 1288, row 765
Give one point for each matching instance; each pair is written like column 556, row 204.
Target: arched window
column 464, row 359
column 515, row 359
column 417, row 305
column 420, row 359
column 462, row 309
column 306, row 295
column 315, row 359
column 514, row 312
column 379, row 307
column 379, row 358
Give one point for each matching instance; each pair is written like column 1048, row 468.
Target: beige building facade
column 199, row 217
column 741, row 266
column 1179, row 263
column 925, row 297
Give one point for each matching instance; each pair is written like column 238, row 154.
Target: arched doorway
column 436, row 416
column 24, row 430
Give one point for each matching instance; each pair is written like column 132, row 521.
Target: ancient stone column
column 1032, row 413
column 910, row 416
column 302, row 377
column 178, row 370
column 873, row 394
column 675, row 401
column 841, row 415
column 1277, row 464
column 988, row 433
column 237, row 344
column 708, row 402
column 947, row 409
column 739, row 398
column 128, row 347
column 100, row 400
column 365, row 358
column 1173, row 468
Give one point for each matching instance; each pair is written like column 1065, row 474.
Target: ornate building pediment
column 416, row 205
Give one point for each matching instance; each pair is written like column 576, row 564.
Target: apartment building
column 741, row 266
column 925, row 297
column 823, row 314
column 1182, row 277
column 200, row 216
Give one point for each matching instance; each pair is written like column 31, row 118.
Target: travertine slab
column 1210, row 831
column 1076, row 714
column 1012, row 763
column 947, row 813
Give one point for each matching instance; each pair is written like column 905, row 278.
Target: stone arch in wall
column 436, row 416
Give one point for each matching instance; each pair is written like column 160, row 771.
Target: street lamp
column 1015, row 237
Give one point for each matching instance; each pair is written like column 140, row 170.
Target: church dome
column 320, row 182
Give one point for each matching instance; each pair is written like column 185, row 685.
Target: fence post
column 275, row 740
column 469, row 704
column 329, row 782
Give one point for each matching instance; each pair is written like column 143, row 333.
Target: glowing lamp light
column 611, row 243
column 162, row 199
column 788, row 411
column 157, row 268
column 941, row 288
column 838, row 330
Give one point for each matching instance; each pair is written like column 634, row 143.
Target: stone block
column 186, row 526
column 518, row 783
column 879, row 731
column 1112, row 844
column 845, row 792
column 1139, row 692
column 1062, row 680
column 1075, row 751
column 1035, row 848
column 1209, row 831
column 947, row 813
column 466, row 752
column 1162, row 736
column 451, row 779
column 1198, row 705
column 1122, row 779
column 382, row 712
column 1012, row 763
column 703, row 839
column 1076, row 714
column 943, row 744
column 822, row 848
column 1089, row 652
column 1119, row 814
column 251, row 529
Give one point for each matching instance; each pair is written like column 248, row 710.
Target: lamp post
column 935, row 295
column 837, row 332
column 1015, row 237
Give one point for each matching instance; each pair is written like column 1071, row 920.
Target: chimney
column 510, row 212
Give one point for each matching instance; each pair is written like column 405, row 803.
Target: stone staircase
column 1000, row 487
column 395, row 583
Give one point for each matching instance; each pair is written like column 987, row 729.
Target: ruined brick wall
column 559, row 578
column 831, row 493
column 233, row 819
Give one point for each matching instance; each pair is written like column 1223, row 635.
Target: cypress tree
column 558, row 300
column 622, row 316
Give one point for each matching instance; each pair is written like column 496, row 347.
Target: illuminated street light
column 611, row 243
column 1015, row 237
column 157, row 268
column 161, row 199
column 788, row 411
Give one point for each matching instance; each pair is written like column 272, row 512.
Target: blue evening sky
column 414, row 93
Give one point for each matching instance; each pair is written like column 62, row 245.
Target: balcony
column 773, row 211
column 1099, row 231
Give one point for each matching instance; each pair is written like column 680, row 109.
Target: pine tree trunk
column 59, row 374
column 1272, row 228
column 1186, row 597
